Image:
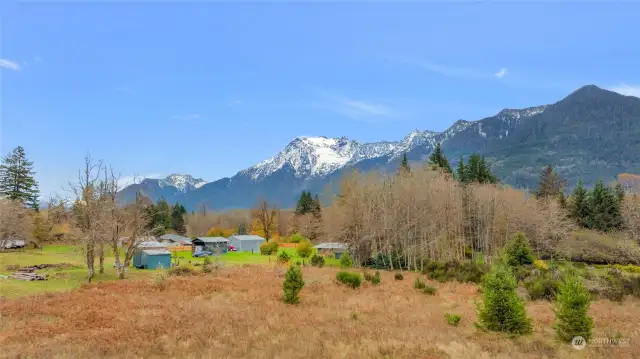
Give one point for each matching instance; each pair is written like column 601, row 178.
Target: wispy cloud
column 123, row 89
column 354, row 108
column 9, row 65
column 626, row 89
column 500, row 74
column 129, row 180
column 187, row 117
column 453, row 71
column 235, row 103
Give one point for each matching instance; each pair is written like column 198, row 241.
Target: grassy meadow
column 238, row 313
column 74, row 275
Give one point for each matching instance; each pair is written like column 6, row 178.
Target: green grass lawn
column 68, row 278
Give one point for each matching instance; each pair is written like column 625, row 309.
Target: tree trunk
column 90, row 259
column 101, row 257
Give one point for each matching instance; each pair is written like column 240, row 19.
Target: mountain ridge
column 516, row 142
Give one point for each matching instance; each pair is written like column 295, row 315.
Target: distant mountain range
column 591, row 134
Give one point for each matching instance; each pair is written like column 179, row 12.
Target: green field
column 61, row 279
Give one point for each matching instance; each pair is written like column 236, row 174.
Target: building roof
column 213, row 239
column 156, row 252
column 151, row 244
column 248, row 237
column 331, row 246
column 175, row 238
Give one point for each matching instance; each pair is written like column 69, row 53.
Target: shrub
column 501, row 309
column 429, row 290
column 543, row 286
column 419, row 283
column 540, row 264
column 269, row 248
column 159, row 278
column 206, row 261
column 304, row 249
column 350, row 279
column 207, row 268
column 345, row 261
column 283, row 257
column 518, row 251
column 297, row 238
column 180, row 271
column 398, row 276
column 367, row 276
column 292, row 285
column 394, row 260
column 453, row 270
column 595, row 248
column 376, row 279
column 452, row 319
column 572, row 308
column 317, row 261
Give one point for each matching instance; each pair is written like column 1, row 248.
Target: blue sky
column 212, row 88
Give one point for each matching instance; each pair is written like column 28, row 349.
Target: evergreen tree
column 604, row 209
column 242, row 228
column 160, row 217
column 619, row 192
column 461, row 171
column 404, row 165
column 578, row 208
column 305, row 203
column 550, row 184
column 501, row 309
column 17, row 180
column 292, row 285
column 485, row 175
column 438, row 160
column 177, row 219
column 572, row 307
column 316, row 206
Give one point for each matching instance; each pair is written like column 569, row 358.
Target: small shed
column 151, row 245
column 332, row 247
column 211, row 244
column 152, row 259
column 247, row 243
column 174, row 240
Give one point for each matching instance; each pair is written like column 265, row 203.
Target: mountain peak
column 182, row 181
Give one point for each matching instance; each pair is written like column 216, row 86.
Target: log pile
column 27, row 276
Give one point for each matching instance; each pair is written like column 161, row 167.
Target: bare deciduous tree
column 266, row 216
column 14, row 222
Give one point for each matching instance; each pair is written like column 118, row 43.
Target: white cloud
column 353, row 108
column 191, row 116
column 626, row 89
column 9, row 65
column 235, row 103
column 129, row 180
column 37, row 59
column 453, row 71
column 500, row 74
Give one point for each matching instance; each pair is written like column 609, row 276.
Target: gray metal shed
column 211, row 244
column 247, row 243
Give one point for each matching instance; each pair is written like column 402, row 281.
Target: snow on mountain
column 182, row 182
column 311, row 157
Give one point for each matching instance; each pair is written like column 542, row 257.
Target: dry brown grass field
column 238, row 313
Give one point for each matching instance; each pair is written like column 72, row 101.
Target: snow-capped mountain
column 171, row 188
column 515, row 142
column 182, row 182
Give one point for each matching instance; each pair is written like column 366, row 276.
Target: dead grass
column 239, row 314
